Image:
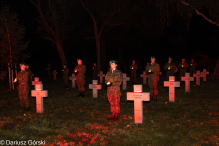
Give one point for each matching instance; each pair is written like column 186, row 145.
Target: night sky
column 135, row 40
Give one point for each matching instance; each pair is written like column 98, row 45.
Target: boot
column 151, row 97
column 82, row 94
column 27, row 109
column 112, row 116
column 79, row 94
column 116, row 117
column 155, row 98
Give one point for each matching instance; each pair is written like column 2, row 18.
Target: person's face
column 183, row 60
column 64, row 66
column 48, row 64
column 192, row 60
column 133, row 62
column 94, row 64
column 153, row 60
column 113, row 66
column 169, row 59
column 79, row 62
column 22, row 67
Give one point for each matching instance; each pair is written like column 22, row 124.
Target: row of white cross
column 138, row 96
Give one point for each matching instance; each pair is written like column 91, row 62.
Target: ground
column 69, row 120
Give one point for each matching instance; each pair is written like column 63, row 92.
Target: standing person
column 65, row 75
column 192, row 66
column 170, row 68
column 80, row 70
column 22, row 81
column 153, row 70
column 29, row 71
column 113, row 81
column 133, row 68
column 49, row 70
column 94, row 71
column 183, row 68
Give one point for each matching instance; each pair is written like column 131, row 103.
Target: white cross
column 101, row 75
column 72, row 78
column 54, row 73
column 39, row 94
column 124, row 85
column 36, row 81
column 197, row 75
column 204, row 74
column 144, row 75
column 187, row 80
column 171, row 84
column 95, row 88
column 138, row 98
column 158, row 76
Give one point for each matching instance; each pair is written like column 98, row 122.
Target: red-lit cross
column 171, row 84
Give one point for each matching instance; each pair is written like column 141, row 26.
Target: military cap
column 113, row 61
column 152, row 57
column 22, row 63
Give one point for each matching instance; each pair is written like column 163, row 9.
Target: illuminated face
column 153, row 60
column 192, row 60
column 133, row 62
column 113, row 66
column 94, row 64
column 169, row 59
column 79, row 62
column 183, row 60
column 22, row 67
column 64, row 66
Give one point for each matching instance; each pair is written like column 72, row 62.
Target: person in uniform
column 65, row 75
column 192, row 66
column 183, row 68
column 113, row 81
column 94, row 71
column 49, row 70
column 23, row 88
column 153, row 69
column 133, row 68
column 80, row 70
column 170, row 68
column 29, row 77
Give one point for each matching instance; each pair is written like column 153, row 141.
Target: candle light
column 191, row 64
column 169, row 67
column 108, row 83
column 75, row 70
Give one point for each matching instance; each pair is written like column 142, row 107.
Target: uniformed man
column 23, row 88
column 183, row 67
column 133, row 68
column 192, row 66
column 65, row 75
column 94, row 71
column 153, row 69
column 170, row 68
column 113, row 81
column 49, row 70
column 29, row 77
column 80, row 70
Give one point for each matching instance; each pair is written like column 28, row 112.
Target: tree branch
column 198, row 13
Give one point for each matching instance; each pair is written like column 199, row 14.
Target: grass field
column 193, row 119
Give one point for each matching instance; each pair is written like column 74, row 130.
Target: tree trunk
column 103, row 53
column 61, row 53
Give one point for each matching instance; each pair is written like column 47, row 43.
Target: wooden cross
column 144, row 75
column 187, row 80
column 39, row 94
column 171, row 84
column 95, row 88
column 197, row 75
column 36, row 81
column 54, row 73
column 124, row 85
column 138, row 96
column 204, row 74
column 158, row 76
column 72, row 78
column 101, row 75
